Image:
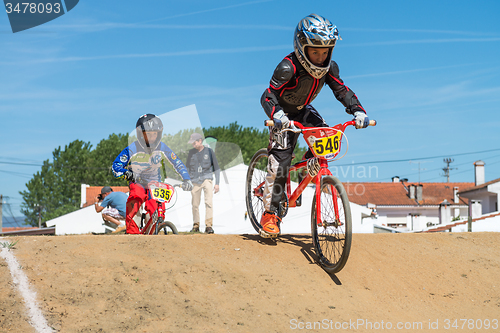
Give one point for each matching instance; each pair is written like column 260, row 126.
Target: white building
column 229, row 211
column 410, row 206
column 483, row 200
column 484, row 196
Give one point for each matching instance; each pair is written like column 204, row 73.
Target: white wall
column 489, row 224
column 82, row 221
column 400, row 215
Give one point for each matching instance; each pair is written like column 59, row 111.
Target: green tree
column 101, row 160
column 248, row 139
column 55, row 189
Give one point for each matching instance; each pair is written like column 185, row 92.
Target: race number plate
column 161, row 193
column 328, row 146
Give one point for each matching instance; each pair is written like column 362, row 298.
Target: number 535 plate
column 161, row 192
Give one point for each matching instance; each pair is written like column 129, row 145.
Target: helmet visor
column 318, row 56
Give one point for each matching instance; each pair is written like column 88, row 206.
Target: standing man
column 202, row 164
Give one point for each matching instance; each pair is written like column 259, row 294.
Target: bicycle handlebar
column 301, row 127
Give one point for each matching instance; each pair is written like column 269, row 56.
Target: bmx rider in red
column 295, row 83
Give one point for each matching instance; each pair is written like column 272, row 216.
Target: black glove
column 187, row 185
column 129, row 175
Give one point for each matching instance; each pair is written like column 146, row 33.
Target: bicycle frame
column 159, row 213
column 323, row 171
column 150, row 226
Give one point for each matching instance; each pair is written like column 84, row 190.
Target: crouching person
column 113, row 207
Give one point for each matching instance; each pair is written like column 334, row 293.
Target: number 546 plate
column 324, row 143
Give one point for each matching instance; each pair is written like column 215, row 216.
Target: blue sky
column 427, row 71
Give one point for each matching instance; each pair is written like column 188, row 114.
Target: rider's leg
column 277, row 174
column 278, row 166
column 151, row 206
column 136, row 197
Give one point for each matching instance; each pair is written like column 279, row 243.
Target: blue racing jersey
column 148, row 167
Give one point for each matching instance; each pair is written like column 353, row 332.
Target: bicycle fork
column 329, row 190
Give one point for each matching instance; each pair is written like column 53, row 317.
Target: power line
column 421, row 158
column 52, row 165
column 11, row 214
column 19, row 174
column 19, row 163
column 456, row 173
column 468, row 162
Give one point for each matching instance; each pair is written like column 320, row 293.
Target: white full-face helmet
column 315, row 31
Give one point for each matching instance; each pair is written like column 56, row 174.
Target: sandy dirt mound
column 241, row 283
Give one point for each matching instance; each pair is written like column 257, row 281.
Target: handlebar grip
column 372, row 122
column 268, row 123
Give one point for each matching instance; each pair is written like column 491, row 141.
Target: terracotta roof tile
column 9, row 229
column 395, row 194
column 381, row 194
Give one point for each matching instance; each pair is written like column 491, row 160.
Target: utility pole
column 447, row 168
column 39, row 209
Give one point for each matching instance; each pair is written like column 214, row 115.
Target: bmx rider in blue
column 143, row 161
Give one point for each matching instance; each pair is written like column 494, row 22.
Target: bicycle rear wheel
column 254, row 187
column 166, row 226
column 333, row 236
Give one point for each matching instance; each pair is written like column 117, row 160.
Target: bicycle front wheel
column 331, row 227
column 166, row 226
column 254, row 187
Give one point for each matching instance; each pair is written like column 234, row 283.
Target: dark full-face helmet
column 149, row 123
column 315, row 31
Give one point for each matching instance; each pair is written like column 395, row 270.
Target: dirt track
column 240, row 283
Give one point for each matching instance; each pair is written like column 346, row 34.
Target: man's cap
column 106, row 189
column 195, row 137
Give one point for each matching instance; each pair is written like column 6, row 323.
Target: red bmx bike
column 162, row 193
column 331, row 225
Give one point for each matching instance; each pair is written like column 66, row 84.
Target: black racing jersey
column 202, row 165
column 292, row 88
